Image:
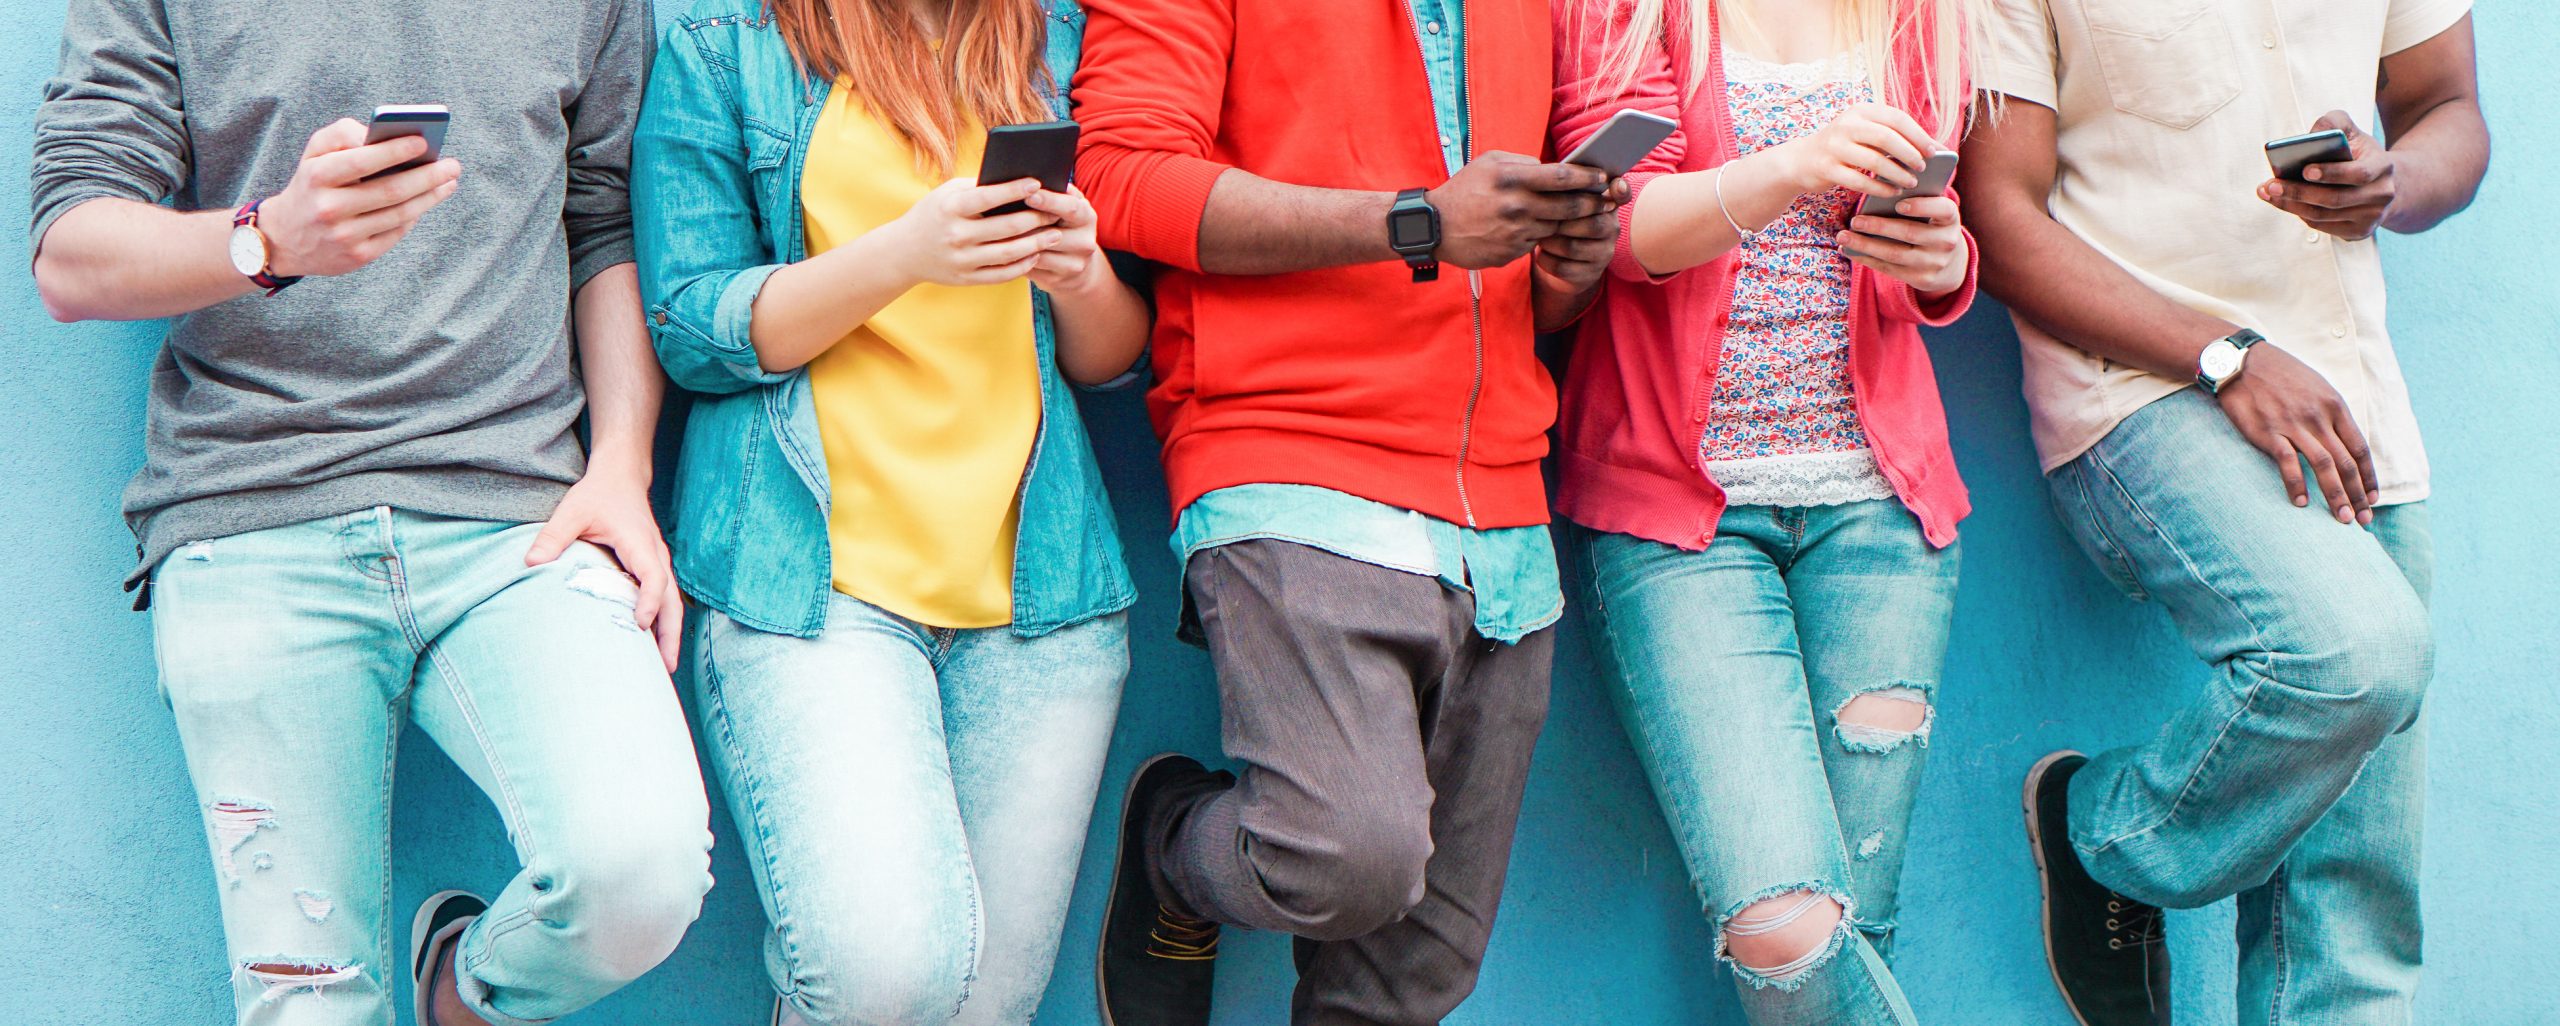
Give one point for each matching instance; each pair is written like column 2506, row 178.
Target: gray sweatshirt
column 438, row 378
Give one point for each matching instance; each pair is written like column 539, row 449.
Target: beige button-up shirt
column 2163, row 109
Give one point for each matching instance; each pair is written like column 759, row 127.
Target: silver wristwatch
column 2223, row 358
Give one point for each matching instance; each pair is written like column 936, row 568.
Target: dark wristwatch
column 2223, row 357
column 1413, row 229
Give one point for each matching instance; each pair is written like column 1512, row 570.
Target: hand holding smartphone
column 2290, row 155
column 391, row 121
column 1622, row 143
column 1935, row 176
column 1045, row 151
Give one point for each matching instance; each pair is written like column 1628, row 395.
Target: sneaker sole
column 421, row 930
column 2044, row 876
column 1110, row 909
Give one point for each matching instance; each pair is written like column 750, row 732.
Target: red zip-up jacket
column 1425, row 396
column 1644, row 360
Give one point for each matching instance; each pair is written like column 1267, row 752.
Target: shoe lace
column 2133, row 924
column 1182, row 938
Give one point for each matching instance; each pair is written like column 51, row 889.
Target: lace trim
column 1802, row 479
column 1840, row 67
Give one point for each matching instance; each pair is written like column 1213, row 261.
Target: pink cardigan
column 1644, row 362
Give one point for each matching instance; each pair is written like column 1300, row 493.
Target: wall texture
column 109, row 910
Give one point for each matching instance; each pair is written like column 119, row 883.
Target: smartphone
column 2290, row 155
column 1934, row 178
column 1624, row 140
column 421, row 119
column 1046, row 151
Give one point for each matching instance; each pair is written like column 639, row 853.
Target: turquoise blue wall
column 108, row 913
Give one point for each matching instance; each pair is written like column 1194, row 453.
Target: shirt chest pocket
column 2165, row 61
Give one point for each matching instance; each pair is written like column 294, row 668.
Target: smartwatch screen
column 1410, row 229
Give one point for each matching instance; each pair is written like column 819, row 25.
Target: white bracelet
column 1740, row 234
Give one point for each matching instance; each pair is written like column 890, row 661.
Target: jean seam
column 716, row 701
column 2248, row 698
column 2276, row 940
column 518, row 823
column 2120, row 564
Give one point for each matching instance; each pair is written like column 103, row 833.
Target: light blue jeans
column 1730, row 668
column 913, row 801
column 292, row 656
column 2295, row 780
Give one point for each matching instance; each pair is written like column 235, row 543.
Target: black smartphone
column 1046, row 151
column 1624, row 140
column 392, row 121
column 2288, row 156
column 1935, row 176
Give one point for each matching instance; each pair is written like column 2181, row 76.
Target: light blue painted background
column 107, row 904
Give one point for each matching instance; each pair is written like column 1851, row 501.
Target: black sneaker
column 438, row 926
column 2108, row 952
column 1157, row 964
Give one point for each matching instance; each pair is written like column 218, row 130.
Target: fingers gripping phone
column 420, row 119
column 1934, row 177
column 1046, row 151
column 2289, row 155
column 1624, row 140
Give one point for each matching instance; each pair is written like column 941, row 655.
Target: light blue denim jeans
column 291, row 657
column 2295, row 780
column 913, row 802
column 1730, row 667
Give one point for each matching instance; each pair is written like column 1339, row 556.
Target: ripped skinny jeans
column 293, row 656
column 1730, row 668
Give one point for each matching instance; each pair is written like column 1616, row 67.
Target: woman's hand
column 1870, row 148
column 944, row 240
column 1924, row 247
column 1075, row 262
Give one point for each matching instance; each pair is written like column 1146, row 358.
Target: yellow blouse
column 929, row 410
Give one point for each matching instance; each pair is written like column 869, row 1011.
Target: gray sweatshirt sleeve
column 111, row 122
column 598, row 208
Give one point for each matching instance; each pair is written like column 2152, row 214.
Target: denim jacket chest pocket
column 769, row 175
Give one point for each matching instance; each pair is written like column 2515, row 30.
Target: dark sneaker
column 2108, row 952
column 1157, row 964
column 437, row 926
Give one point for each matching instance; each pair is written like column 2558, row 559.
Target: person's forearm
column 2438, row 161
column 806, row 308
column 2044, row 273
column 1254, row 225
column 1102, row 329
column 623, row 383
column 1678, row 224
column 1554, row 303
column 118, row 260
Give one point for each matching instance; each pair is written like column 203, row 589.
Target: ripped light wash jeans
column 913, row 801
column 292, row 656
column 1729, row 668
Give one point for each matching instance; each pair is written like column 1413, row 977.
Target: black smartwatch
column 1413, row 229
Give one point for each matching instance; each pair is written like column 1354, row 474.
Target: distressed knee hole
column 233, row 823
column 315, row 905
column 1883, row 719
column 283, row 978
column 611, row 586
column 1778, row 940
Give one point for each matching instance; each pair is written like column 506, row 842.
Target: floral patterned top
column 1782, row 423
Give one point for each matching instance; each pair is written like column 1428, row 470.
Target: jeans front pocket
column 2165, row 61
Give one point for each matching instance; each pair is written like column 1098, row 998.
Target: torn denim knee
column 1878, row 740
column 284, row 977
column 1791, row 974
column 607, row 584
column 232, row 822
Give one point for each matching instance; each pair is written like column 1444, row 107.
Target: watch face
column 248, row 251
column 2221, row 360
column 1410, row 229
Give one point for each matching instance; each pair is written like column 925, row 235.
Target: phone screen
column 1046, row 151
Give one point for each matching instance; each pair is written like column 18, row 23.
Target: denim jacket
column 715, row 196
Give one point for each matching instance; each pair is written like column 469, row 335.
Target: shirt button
column 2337, row 332
column 1433, row 28
column 2269, row 43
column 2313, row 236
column 1446, row 142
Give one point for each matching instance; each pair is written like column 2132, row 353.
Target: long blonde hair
column 1951, row 37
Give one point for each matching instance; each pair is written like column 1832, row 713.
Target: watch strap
column 247, row 217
